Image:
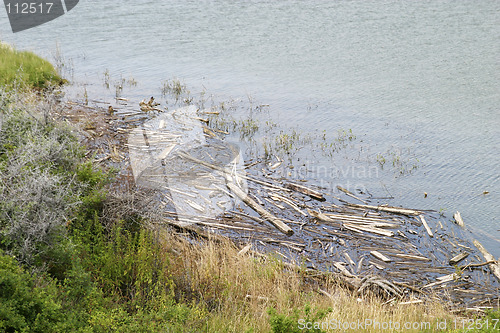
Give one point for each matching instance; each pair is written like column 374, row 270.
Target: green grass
column 25, row 70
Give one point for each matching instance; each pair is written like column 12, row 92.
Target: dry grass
column 239, row 289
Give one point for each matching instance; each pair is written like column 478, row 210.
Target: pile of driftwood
column 370, row 245
column 397, row 250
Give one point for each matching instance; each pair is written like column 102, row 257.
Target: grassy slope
column 66, row 265
column 25, row 68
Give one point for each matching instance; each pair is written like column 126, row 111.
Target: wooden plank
column 416, row 301
column 389, row 209
column 342, row 269
column 364, row 221
column 321, row 216
column 458, row 219
column 426, row 226
column 443, row 279
column 380, row 256
column 458, row 258
column 370, row 229
column 360, row 218
column 245, row 249
column 352, row 228
column 346, row 255
column 410, row 256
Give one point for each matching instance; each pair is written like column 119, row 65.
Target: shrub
column 297, row 321
column 129, row 265
column 23, row 307
column 38, row 187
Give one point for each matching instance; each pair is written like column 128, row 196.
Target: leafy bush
column 23, row 307
column 281, row 323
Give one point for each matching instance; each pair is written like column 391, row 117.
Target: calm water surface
column 412, row 79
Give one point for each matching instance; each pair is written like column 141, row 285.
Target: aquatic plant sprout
column 170, row 154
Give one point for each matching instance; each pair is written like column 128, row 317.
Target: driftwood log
column 258, row 208
column 494, row 264
column 389, row 209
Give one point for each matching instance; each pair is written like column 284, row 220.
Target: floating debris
column 150, row 105
column 458, row 258
column 458, row 219
column 372, row 247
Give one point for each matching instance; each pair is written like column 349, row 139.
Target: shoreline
column 381, row 260
column 123, row 261
column 334, row 175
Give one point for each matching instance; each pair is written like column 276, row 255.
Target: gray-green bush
column 36, row 191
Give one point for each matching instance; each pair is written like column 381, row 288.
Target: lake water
column 417, row 82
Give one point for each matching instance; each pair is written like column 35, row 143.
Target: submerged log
column 458, row 258
column 495, row 265
column 477, row 265
column 289, row 202
column 347, row 192
column 307, row 191
column 389, row 209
